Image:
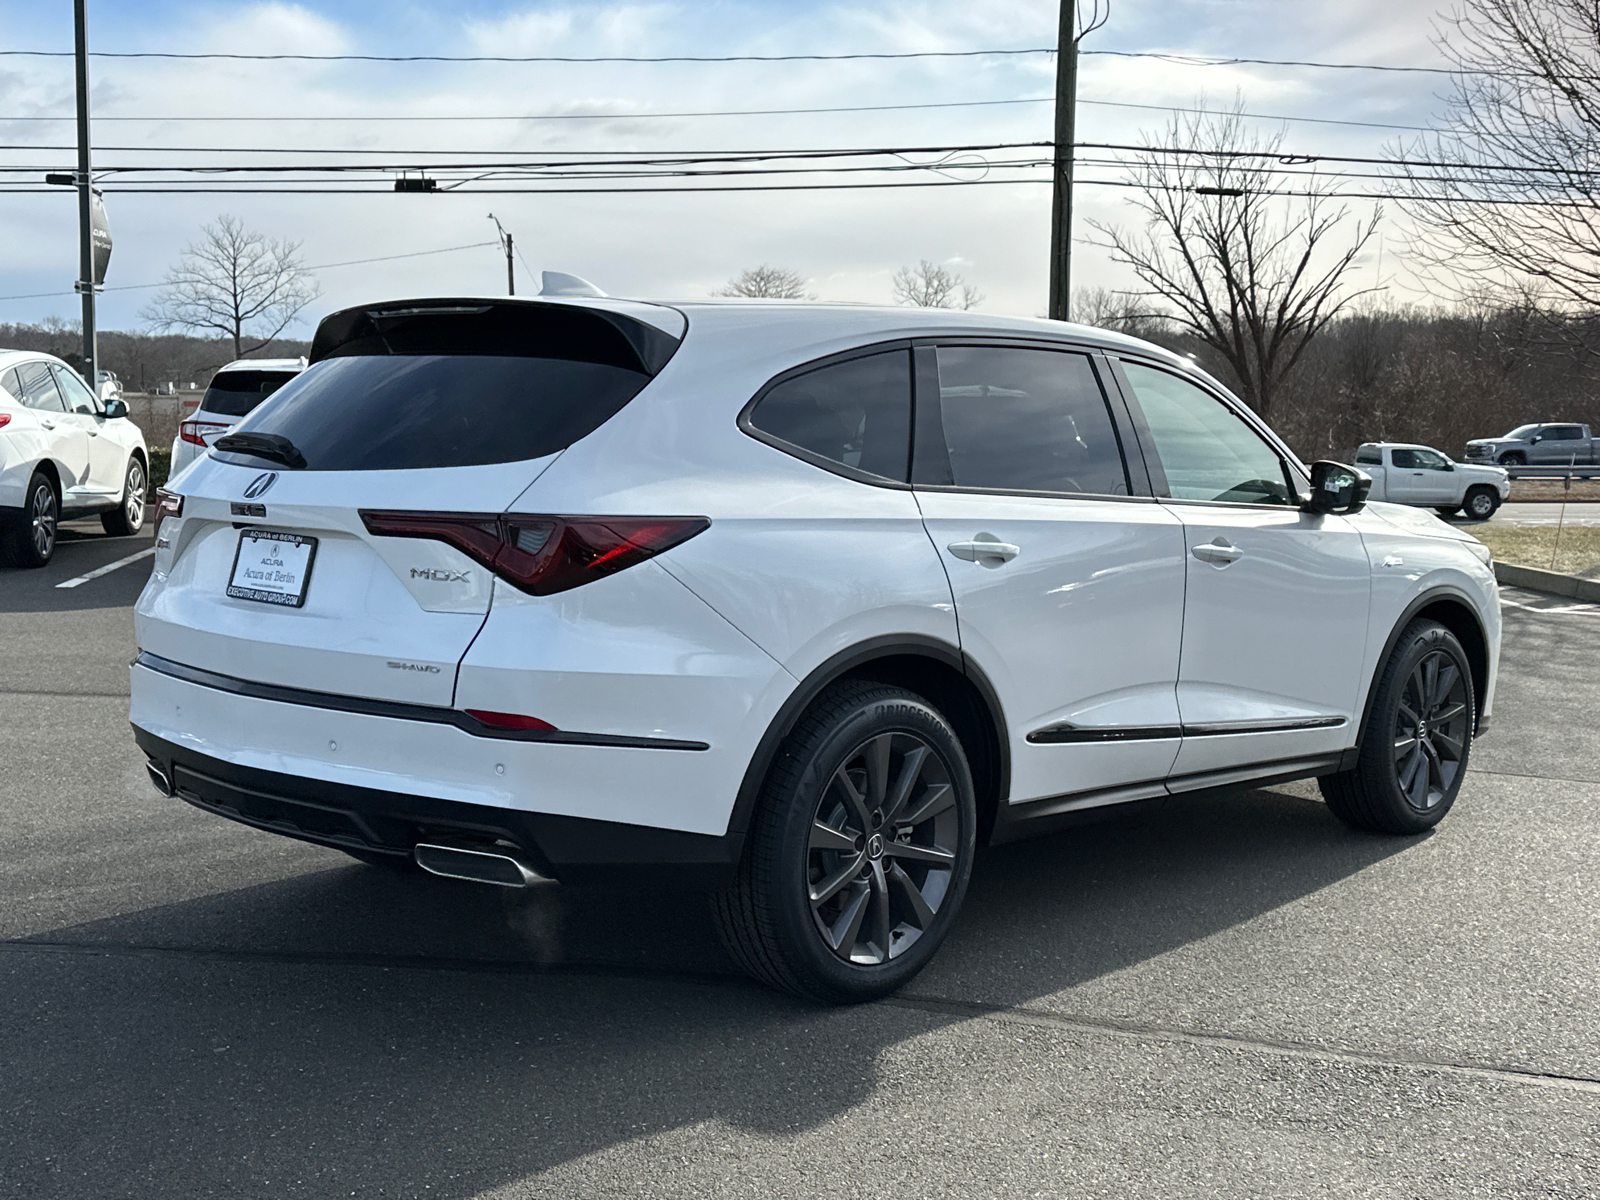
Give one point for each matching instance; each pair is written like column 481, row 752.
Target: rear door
column 66, row 443
column 1068, row 587
column 1275, row 610
column 271, row 574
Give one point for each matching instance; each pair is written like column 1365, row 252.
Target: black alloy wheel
column 128, row 517
column 30, row 541
column 859, row 851
column 1482, row 503
column 882, row 849
column 1417, row 741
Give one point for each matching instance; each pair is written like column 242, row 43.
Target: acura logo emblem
column 260, row 484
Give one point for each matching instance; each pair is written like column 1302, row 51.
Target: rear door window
column 1028, row 420
column 236, row 393
column 854, row 414
column 1369, row 457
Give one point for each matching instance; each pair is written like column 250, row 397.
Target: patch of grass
column 1533, row 546
column 1552, row 491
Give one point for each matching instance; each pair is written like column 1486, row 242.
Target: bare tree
column 1105, row 308
column 1514, row 200
column 1249, row 275
column 235, row 282
column 928, row 285
column 767, row 283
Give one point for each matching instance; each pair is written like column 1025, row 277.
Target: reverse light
column 194, row 432
column 168, row 504
column 542, row 555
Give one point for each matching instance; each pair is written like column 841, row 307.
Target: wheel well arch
column 47, row 468
column 1452, row 610
column 949, row 680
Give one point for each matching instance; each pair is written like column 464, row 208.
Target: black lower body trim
column 1064, row 732
column 432, row 714
column 369, row 820
column 1015, row 821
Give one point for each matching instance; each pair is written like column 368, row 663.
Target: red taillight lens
column 542, row 555
column 194, row 432
column 5, row 419
column 168, row 504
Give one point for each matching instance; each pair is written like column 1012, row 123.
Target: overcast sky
column 849, row 244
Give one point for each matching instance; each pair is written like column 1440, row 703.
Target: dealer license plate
column 272, row 567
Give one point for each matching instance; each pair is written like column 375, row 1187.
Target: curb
column 1553, row 582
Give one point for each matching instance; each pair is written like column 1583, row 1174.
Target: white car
column 1422, row 476
column 64, row 453
column 232, row 394
column 800, row 602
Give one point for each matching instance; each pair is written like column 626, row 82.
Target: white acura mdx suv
column 799, row 602
column 64, row 453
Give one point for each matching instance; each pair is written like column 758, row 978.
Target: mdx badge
column 260, row 484
column 440, row 575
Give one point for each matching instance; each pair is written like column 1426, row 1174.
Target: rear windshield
column 447, row 384
column 235, row 393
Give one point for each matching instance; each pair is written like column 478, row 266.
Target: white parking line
column 107, row 569
column 1587, row 610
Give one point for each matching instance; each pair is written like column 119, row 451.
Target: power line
column 354, row 262
column 1195, row 60
column 531, row 58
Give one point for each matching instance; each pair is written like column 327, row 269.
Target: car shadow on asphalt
column 371, row 1031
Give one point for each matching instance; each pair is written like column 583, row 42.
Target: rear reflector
column 542, row 555
column 500, row 720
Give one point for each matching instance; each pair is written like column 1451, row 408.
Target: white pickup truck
column 1421, row 475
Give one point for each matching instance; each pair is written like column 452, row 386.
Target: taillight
column 168, row 504
column 5, row 419
column 194, row 432
column 542, row 555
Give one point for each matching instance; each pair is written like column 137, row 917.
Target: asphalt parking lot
column 1235, row 997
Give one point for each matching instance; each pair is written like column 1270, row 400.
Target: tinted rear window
column 235, row 393
column 856, row 413
column 1371, row 457
column 453, row 383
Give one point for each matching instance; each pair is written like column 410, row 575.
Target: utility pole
column 1072, row 30
column 86, row 284
column 505, row 242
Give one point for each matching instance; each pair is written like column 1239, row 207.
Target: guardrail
column 1552, row 472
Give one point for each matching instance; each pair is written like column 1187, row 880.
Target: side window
column 79, row 397
column 856, row 413
column 13, row 385
column 1207, row 452
column 1027, row 420
column 1429, row 461
column 39, row 388
column 1369, row 456
column 1405, row 459
column 1566, row 433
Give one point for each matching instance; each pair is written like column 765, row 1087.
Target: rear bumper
column 347, row 817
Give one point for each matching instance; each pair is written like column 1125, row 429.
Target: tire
column 29, row 538
column 1482, row 503
column 834, row 899
column 1403, row 783
column 128, row 517
column 1514, row 458
column 1444, row 511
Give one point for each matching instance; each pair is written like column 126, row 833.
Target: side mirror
column 1536, row 439
column 116, row 408
column 1336, row 488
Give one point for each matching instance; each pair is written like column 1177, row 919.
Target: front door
column 1068, row 590
column 1275, row 615
column 1421, row 477
column 107, row 457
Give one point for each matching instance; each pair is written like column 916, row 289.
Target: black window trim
column 930, row 460
column 833, row 467
column 1294, row 475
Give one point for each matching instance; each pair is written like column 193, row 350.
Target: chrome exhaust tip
column 159, row 778
column 476, row 866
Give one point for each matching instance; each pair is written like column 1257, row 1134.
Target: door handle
column 1218, row 552
column 47, row 424
column 985, row 549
